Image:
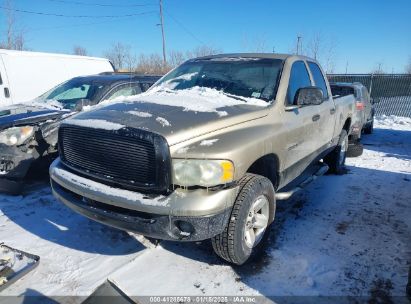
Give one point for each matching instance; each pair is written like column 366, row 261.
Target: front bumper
column 187, row 215
column 14, row 165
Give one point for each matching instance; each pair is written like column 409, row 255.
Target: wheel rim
column 343, row 150
column 257, row 221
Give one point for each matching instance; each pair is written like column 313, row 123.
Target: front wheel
column 247, row 230
column 336, row 159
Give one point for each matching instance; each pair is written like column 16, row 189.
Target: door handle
column 332, row 111
column 316, row 117
column 6, row 92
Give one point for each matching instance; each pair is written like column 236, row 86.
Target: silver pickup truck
column 206, row 152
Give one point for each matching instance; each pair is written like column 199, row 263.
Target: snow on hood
column 95, row 124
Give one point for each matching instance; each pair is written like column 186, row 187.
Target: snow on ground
column 76, row 254
column 342, row 235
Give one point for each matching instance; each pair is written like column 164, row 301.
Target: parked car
column 363, row 119
column 206, row 151
column 28, row 132
column 26, row 75
column 364, row 113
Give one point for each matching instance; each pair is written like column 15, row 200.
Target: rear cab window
column 125, row 90
column 340, row 90
column 299, row 78
column 318, row 78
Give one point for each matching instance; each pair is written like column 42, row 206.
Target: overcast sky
column 362, row 33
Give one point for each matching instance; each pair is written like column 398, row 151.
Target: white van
column 26, row 75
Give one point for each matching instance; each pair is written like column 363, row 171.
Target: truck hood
column 175, row 123
column 18, row 115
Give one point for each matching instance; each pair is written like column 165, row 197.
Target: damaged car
column 28, row 132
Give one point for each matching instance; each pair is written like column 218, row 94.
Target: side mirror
column 309, row 96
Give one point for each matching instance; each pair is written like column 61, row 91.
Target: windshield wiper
column 234, row 96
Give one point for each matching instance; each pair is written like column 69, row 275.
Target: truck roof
column 113, row 77
column 42, row 54
column 255, row 55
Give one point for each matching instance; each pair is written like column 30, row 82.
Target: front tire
column 336, row 159
column 247, row 230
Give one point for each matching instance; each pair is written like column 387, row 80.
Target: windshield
column 245, row 77
column 74, row 93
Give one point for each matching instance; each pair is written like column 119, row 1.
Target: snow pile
column 392, row 121
column 164, row 122
column 95, row 124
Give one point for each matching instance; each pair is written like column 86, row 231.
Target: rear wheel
column 336, row 159
column 355, row 149
column 247, row 230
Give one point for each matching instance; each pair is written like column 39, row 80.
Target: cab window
column 318, row 78
column 124, row 90
column 299, row 78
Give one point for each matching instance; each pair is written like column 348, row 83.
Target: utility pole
column 162, row 33
column 298, row 44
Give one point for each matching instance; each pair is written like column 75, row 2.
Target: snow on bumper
column 187, row 215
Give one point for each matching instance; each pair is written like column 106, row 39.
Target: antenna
column 298, row 44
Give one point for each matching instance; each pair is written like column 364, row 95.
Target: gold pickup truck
column 206, row 152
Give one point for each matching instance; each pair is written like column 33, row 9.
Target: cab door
column 326, row 110
column 5, row 98
column 301, row 124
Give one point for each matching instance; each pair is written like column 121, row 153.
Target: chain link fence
column 390, row 92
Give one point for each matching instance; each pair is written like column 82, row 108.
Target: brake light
column 359, row 106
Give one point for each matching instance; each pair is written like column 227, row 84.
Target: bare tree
column 154, row 64
column 10, row 23
column 175, row 58
column 15, row 39
column 79, row 50
column 118, row 54
column 314, row 46
column 378, row 69
column 321, row 49
column 257, row 44
column 151, row 64
column 202, row 50
column 408, row 67
column 130, row 62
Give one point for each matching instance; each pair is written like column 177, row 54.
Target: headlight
column 206, row 173
column 16, row 136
